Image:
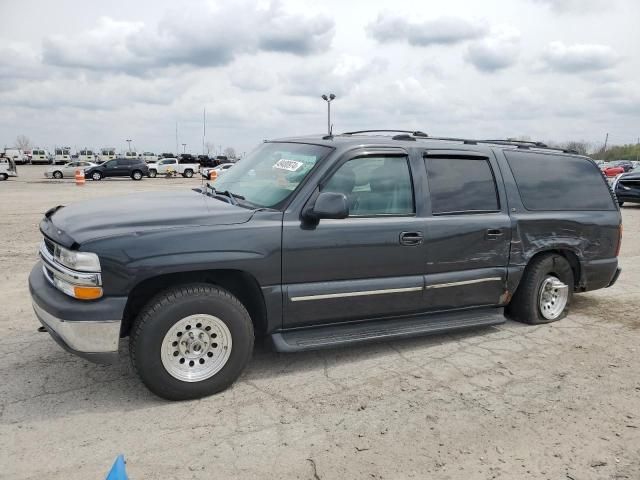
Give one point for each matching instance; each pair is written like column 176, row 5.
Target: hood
column 131, row 214
column 630, row 176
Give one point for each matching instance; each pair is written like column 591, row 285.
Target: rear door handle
column 494, row 233
column 411, row 238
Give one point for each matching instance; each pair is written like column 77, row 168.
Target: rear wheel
column 96, row 176
column 136, row 175
column 191, row 341
column 57, row 174
column 152, row 173
column 545, row 291
column 188, row 173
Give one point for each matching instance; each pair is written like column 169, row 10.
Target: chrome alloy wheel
column 196, row 348
column 552, row 297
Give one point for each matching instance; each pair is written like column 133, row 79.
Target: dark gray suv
column 320, row 241
column 135, row 168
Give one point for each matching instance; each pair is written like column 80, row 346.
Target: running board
column 328, row 336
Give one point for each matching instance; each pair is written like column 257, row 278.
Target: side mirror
column 331, row 205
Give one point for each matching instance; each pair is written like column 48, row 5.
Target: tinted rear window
column 459, row 185
column 557, row 182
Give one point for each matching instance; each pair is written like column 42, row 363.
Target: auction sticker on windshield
column 289, row 165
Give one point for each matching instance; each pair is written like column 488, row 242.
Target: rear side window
column 557, row 182
column 461, row 185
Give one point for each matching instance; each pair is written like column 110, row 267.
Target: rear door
column 468, row 232
column 369, row 265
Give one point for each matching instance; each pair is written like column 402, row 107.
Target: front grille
column 49, row 245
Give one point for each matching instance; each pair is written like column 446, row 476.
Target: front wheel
column 152, row 173
column 96, row 176
column 191, row 341
column 57, row 175
column 136, row 175
column 545, row 291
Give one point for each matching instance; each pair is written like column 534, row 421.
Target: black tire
column 3, row 177
column 188, row 173
column 136, row 175
column 620, row 204
column 524, row 306
column 169, row 307
column 57, row 174
column 153, row 173
column 96, row 176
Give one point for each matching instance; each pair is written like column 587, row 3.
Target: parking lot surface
column 559, row 401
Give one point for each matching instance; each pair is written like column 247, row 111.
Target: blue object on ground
column 118, row 470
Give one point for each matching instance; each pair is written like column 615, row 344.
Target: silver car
column 68, row 170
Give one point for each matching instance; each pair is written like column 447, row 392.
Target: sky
column 84, row 73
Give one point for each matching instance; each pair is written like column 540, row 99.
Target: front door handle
column 494, row 233
column 411, row 238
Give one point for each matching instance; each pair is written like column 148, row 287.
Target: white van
column 16, row 154
column 86, row 156
column 62, row 155
column 107, row 153
column 149, row 157
column 39, row 156
column 132, row 154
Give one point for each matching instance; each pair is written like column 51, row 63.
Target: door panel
column 370, row 264
column 468, row 248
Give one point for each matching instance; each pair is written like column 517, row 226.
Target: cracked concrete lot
column 560, row 401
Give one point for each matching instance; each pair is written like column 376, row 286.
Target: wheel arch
column 241, row 284
column 569, row 255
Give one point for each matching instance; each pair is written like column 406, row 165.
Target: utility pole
column 637, row 148
column 604, row 149
column 129, row 142
column 204, row 127
column 177, row 138
column 184, row 148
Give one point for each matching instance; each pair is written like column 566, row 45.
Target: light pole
column 129, row 142
column 329, row 99
column 184, row 148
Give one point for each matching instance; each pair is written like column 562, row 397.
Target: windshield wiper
column 233, row 197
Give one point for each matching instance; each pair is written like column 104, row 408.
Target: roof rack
column 415, row 133
column 411, row 135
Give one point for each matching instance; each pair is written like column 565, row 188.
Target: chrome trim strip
column 89, row 337
column 464, row 282
column 355, row 294
column 66, row 274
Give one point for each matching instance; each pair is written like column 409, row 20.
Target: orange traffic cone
column 79, row 177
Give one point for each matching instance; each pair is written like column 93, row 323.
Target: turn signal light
column 213, row 175
column 87, row 293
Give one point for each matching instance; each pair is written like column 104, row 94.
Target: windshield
column 270, row 174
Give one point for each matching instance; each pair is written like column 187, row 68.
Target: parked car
column 119, row 167
column 7, row 168
column 17, row 155
column 86, row 156
column 67, row 170
column 215, row 172
column 167, row 155
column 149, row 157
column 39, row 156
column 627, row 188
column 625, row 164
column 130, row 154
column 317, row 242
column 610, row 170
column 181, row 166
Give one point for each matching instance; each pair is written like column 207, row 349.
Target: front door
column 468, row 233
column 369, row 265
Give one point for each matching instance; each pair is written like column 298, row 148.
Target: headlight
column 81, row 261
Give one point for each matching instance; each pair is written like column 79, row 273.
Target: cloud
column 576, row 6
column 579, row 57
column 439, row 31
column 199, row 36
column 496, row 52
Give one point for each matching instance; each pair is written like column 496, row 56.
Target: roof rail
column 411, row 135
column 415, row 133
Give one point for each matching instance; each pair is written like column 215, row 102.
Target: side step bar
column 327, row 336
